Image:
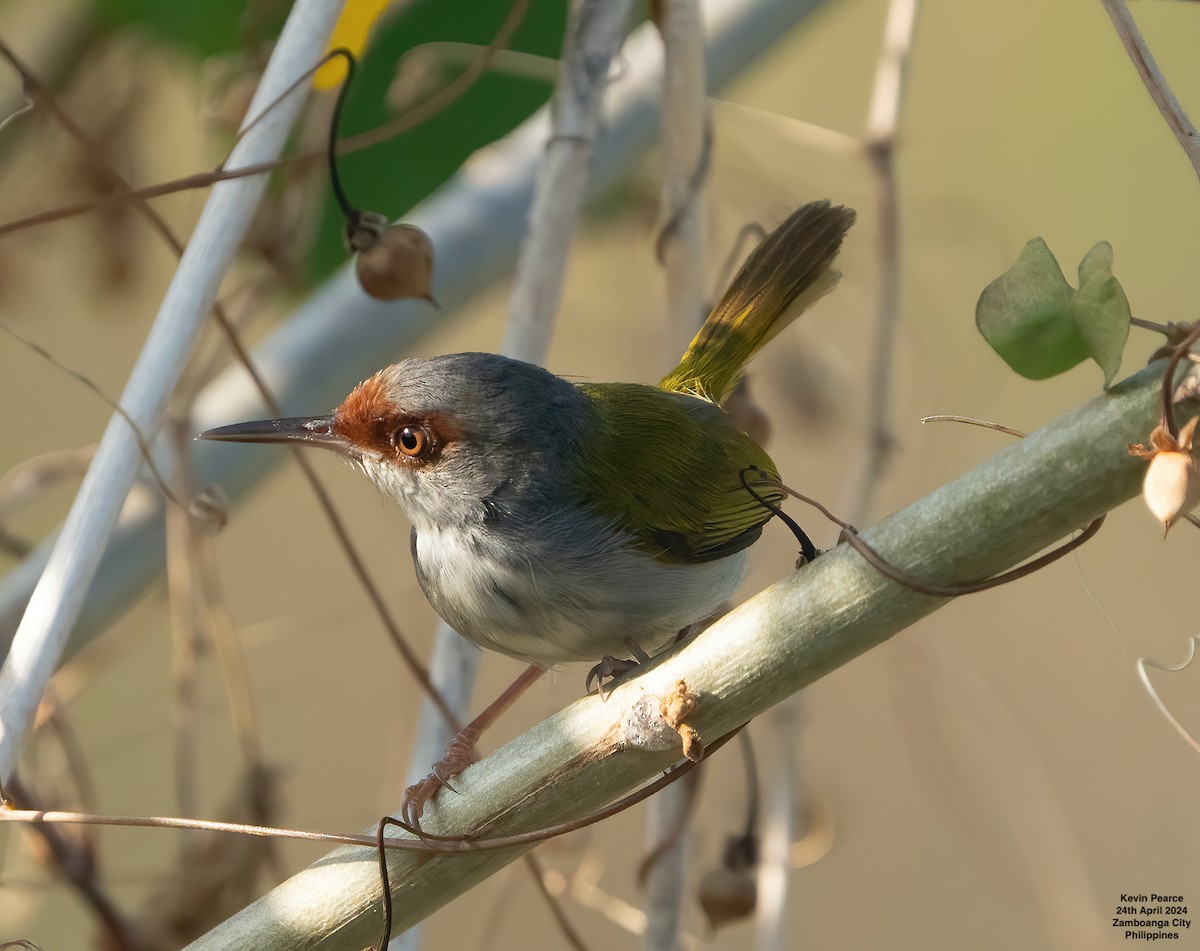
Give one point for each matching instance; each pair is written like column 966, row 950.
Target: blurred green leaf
column 202, row 27
column 393, row 176
column 1042, row 326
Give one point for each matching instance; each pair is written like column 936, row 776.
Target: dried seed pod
column 1172, row 484
column 397, row 265
column 730, row 892
column 727, row 894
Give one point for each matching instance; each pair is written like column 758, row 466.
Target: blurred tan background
column 993, row 778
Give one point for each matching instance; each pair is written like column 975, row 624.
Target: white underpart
column 579, row 607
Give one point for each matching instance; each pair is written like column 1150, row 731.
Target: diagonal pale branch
column 883, row 121
column 1026, row 497
column 683, row 251
column 593, row 38
column 58, row 597
column 339, row 335
column 1156, row 84
column 594, row 33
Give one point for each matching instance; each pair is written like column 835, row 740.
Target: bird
column 560, row 521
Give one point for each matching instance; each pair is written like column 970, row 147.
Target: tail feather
column 785, row 275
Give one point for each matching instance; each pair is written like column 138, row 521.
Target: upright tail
column 790, row 270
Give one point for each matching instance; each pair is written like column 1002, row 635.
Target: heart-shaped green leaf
column 1025, row 314
column 1042, row 326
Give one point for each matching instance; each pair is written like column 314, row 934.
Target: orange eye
column 413, row 441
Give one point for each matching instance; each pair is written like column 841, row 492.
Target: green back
column 669, row 463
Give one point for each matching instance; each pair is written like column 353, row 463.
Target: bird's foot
column 611, row 668
column 460, row 753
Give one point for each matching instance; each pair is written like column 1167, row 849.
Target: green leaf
column 1101, row 310
column 1042, row 326
column 392, row 177
column 1025, row 314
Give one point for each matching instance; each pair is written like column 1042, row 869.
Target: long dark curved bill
column 312, row 431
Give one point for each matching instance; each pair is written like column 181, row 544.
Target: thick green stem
column 1031, row 495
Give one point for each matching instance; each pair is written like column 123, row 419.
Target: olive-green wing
column 668, row 466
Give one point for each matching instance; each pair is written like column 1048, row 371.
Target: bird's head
column 451, row 438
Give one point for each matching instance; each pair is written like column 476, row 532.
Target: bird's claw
column 460, row 753
column 609, row 668
column 615, row 667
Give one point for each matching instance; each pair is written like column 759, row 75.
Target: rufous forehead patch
column 363, row 417
column 369, row 419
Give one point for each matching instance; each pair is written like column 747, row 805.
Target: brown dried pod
column 727, row 894
column 1172, row 484
column 730, row 892
column 397, row 265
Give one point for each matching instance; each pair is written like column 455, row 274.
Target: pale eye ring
column 412, row 441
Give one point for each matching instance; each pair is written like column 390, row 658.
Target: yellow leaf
column 351, row 32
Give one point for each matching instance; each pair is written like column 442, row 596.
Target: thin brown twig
column 1156, row 84
column 227, row 648
column 143, row 443
column 147, row 192
column 883, row 120
column 583, row 887
column 447, row 94
column 385, row 886
column 970, row 587
column 1149, row 325
column 17, row 113
column 675, row 832
column 53, row 715
column 695, row 183
column 501, row 905
column 25, row 481
column 1168, row 385
column 750, row 231
column 241, row 702
column 40, row 93
column 851, row 537
column 56, row 719
column 1189, row 141
column 427, row 842
column 185, row 638
column 291, row 88
column 443, row 98
column 972, row 421
column 556, row 909
column 78, row 866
